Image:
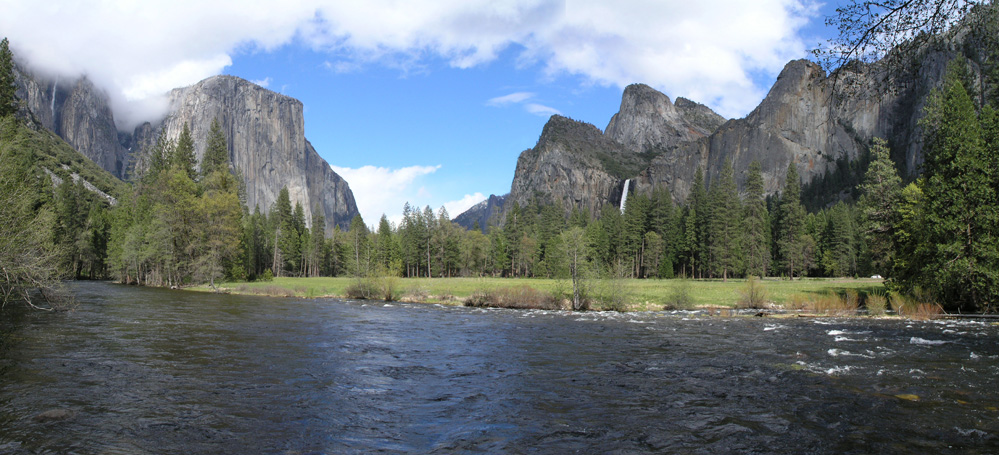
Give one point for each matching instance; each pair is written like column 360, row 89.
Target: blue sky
column 425, row 101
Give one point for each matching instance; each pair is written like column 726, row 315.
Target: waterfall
column 54, row 85
column 624, row 194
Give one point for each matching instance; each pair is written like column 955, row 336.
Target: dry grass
column 920, row 306
column 273, row 291
column 519, row 297
column 876, row 304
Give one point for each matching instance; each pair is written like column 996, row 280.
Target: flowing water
column 137, row 371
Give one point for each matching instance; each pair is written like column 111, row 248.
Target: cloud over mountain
column 707, row 50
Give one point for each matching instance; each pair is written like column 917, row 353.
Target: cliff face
column 265, row 132
column 77, row 112
column 266, row 137
column 799, row 121
column 648, row 120
column 808, row 118
column 573, row 164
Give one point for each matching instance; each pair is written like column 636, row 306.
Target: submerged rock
column 54, row 415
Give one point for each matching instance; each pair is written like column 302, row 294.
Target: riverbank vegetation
column 606, row 294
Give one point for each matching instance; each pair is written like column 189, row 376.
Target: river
column 134, row 371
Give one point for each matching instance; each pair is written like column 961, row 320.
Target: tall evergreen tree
column 700, row 211
column 961, row 204
column 790, row 231
column 879, row 197
column 216, row 157
column 757, row 223
column 725, row 225
column 8, row 90
column 183, row 154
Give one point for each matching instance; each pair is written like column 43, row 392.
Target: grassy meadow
column 620, row 294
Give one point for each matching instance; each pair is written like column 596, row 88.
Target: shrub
column 754, row 295
column 361, row 290
column 876, row 304
column 387, row 286
column 266, row 276
column 680, row 297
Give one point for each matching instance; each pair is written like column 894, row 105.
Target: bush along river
column 136, row 370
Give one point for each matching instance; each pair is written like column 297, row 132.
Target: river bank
column 617, row 294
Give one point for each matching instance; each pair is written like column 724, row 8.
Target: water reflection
column 155, row 371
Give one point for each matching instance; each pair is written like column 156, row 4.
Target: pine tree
column 358, row 243
column 216, row 157
column 700, row 211
column 664, row 220
column 757, row 223
column 8, row 89
column 281, row 217
column 183, row 153
column 880, row 192
column 790, row 231
column 961, row 204
column 725, row 225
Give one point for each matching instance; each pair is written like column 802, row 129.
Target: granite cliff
column 265, row 132
column 266, row 137
column 574, row 164
column 813, row 120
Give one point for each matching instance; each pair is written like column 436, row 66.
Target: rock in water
column 54, row 415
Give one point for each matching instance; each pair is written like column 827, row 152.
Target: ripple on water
column 150, row 371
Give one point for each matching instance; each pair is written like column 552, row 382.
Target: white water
column 624, row 194
column 54, row 85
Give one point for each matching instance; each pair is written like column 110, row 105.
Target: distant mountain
column 482, row 213
column 264, row 129
column 574, row 164
column 821, row 123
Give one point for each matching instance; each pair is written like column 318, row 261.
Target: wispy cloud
column 521, row 98
column 140, row 50
column 265, row 82
column 541, row 110
column 513, row 98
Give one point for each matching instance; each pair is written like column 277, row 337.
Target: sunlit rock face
column 265, row 133
column 266, row 137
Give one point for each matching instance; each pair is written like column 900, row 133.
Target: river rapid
column 134, row 370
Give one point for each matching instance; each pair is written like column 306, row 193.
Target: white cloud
column 455, row 208
column 265, row 82
column 541, row 110
column 381, row 190
column 513, row 98
column 705, row 50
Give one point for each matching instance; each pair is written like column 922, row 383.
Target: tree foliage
column 955, row 252
column 8, row 90
column 871, row 30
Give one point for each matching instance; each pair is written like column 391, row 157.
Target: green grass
column 639, row 294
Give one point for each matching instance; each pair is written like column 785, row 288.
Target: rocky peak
column 699, row 116
column 648, row 120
